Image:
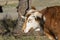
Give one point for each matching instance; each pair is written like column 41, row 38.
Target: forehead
column 32, row 12
column 31, row 17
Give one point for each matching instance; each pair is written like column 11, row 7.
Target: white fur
column 38, row 14
column 33, row 23
column 23, row 17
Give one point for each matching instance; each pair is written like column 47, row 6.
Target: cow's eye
column 29, row 20
column 34, row 16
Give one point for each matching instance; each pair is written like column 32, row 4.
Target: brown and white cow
column 47, row 20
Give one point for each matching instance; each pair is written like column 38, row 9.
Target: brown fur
column 52, row 23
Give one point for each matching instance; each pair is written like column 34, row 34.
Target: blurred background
column 9, row 19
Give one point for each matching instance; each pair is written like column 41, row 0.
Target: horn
column 21, row 16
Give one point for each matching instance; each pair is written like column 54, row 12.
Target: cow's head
column 33, row 20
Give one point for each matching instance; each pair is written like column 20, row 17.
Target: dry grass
column 22, row 38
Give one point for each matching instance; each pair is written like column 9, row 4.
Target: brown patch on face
column 27, row 15
column 24, row 25
column 38, row 19
column 29, row 20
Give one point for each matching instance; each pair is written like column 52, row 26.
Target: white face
column 31, row 22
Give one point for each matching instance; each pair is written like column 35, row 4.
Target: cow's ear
column 32, row 7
